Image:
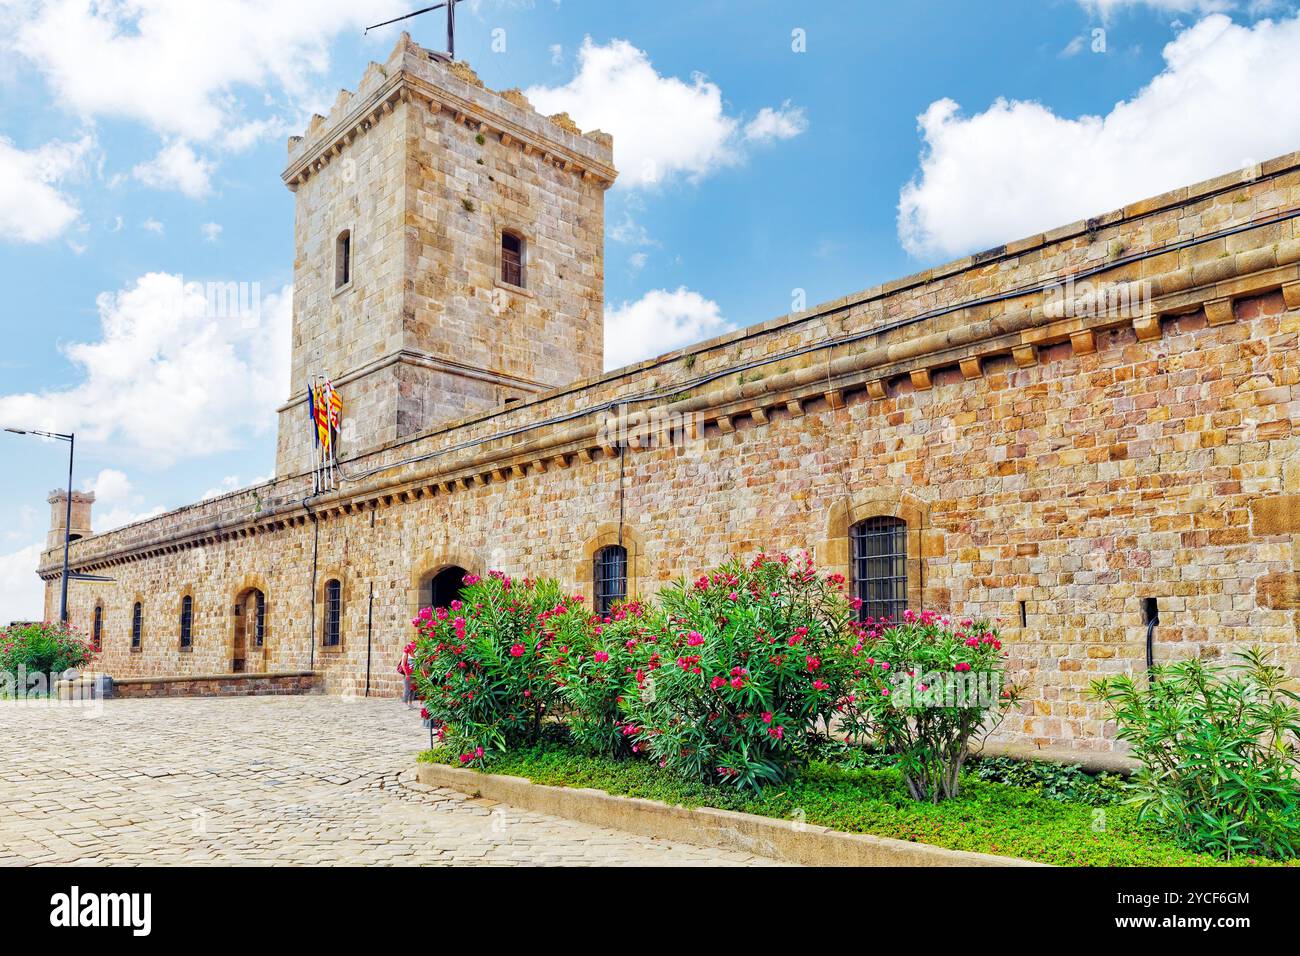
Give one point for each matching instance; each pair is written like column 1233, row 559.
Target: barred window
column 97, row 635
column 512, row 259
column 137, row 625
column 880, row 567
column 187, row 622
column 610, row 577
column 333, row 636
column 259, row 621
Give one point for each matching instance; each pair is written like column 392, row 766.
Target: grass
column 986, row 818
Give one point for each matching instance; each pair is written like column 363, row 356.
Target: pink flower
column 600, row 657
column 961, row 668
column 733, row 597
column 718, row 682
column 518, row 650
column 776, row 733
column 767, row 716
column 820, row 684
column 694, row 639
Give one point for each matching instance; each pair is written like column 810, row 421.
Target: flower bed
column 986, row 817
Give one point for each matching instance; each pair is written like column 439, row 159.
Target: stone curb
column 784, row 840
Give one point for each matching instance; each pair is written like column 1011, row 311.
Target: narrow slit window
column 880, row 567
column 343, row 259
column 610, row 577
column 97, row 637
column 333, row 635
column 137, row 625
column 512, row 259
column 259, row 622
column 187, row 622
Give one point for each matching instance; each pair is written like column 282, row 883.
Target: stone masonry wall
column 1073, row 463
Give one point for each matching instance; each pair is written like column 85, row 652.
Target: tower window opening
column 343, row 259
column 512, row 259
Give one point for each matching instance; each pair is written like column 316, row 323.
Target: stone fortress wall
column 1056, row 463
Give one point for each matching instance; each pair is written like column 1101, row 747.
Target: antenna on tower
column 451, row 23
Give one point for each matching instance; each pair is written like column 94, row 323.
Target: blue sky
column 768, row 150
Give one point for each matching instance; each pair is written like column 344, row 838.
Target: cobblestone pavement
column 265, row 780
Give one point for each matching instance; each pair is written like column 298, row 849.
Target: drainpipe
column 1151, row 617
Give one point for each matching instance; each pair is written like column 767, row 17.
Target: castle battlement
column 453, row 86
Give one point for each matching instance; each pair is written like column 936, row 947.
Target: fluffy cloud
column 32, row 208
column 22, row 593
column 116, row 501
column 773, row 124
column 663, row 126
column 177, row 167
column 178, row 371
column 1224, row 100
column 659, row 322
column 176, row 67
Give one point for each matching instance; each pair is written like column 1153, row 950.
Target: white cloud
column 1224, row 100
column 660, row 321
column 116, row 501
column 154, row 226
column 22, row 593
column 233, row 483
column 663, row 127
column 773, row 124
column 177, row 67
column 1106, row 8
column 177, row 167
column 211, row 231
column 170, row 377
column 32, row 208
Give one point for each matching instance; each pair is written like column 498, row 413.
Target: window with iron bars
column 333, row 636
column 97, row 638
column 137, row 625
column 880, row 567
column 259, row 623
column 187, row 621
column 610, row 578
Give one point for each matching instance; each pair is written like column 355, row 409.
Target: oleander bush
column 46, row 648
column 747, row 674
column 922, row 690
column 481, row 666
column 596, row 663
column 1217, row 743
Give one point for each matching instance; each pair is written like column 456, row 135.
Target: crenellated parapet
column 412, row 73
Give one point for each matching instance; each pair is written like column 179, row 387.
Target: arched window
column 333, row 633
column 259, row 619
column 512, row 259
column 609, row 577
column 137, row 625
column 343, row 259
column 97, row 634
column 187, row 622
column 880, row 567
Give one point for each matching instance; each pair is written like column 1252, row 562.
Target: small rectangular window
column 137, row 625
column 610, row 578
column 259, row 625
column 343, row 260
column 187, row 622
column 512, row 259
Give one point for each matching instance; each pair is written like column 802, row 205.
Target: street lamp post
column 67, row 519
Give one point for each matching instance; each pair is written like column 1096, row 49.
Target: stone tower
column 449, row 253
column 80, row 525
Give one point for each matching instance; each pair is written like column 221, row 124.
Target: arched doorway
column 443, row 587
column 249, row 647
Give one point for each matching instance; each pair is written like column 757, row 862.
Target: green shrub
column 595, row 662
column 753, row 659
column 1217, row 744
column 922, row 690
column 48, row 648
column 1051, row 780
column 480, row 665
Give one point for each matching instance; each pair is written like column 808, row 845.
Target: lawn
column 985, row 818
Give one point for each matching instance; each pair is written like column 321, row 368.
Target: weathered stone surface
column 1276, row 514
